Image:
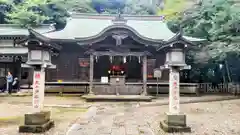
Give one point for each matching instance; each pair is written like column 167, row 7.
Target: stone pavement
column 163, row 100
column 132, row 119
column 112, row 120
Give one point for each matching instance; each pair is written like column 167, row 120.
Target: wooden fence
column 230, row 88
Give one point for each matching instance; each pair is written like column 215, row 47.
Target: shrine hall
column 109, row 54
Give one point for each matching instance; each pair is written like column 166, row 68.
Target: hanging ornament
column 124, row 59
column 96, row 57
column 111, row 58
column 139, row 59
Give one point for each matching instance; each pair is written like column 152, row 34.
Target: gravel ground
column 212, row 118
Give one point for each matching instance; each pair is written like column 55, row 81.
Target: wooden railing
column 201, row 88
column 229, row 88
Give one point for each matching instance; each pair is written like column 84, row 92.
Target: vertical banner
column 84, row 68
column 150, row 67
column 174, row 95
column 38, row 90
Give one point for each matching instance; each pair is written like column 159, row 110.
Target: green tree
column 136, row 7
column 5, row 6
column 80, row 6
column 36, row 12
column 27, row 13
column 56, row 13
column 171, row 8
column 218, row 21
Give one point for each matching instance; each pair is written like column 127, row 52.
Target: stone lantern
column 175, row 57
column 39, row 58
column 175, row 61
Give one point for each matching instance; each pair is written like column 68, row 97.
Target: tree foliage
column 80, row 6
column 5, row 6
column 136, row 7
column 36, row 12
column 218, row 21
column 27, row 13
column 171, row 8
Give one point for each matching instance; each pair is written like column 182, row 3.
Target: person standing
column 9, row 82
column 15, row 85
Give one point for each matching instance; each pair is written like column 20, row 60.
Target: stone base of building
column 36, row 123
column 92, row 98
column 175, row 123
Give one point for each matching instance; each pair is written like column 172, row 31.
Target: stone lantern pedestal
column 174, row 121
column 37, row 122
column 39, row 58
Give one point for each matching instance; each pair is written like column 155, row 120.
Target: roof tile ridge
column 113, row 16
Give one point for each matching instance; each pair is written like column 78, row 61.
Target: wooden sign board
column 84, row 62
column 150, row 67
column 104, row 79
column 157, row 73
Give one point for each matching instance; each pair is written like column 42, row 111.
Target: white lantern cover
column 175, row 57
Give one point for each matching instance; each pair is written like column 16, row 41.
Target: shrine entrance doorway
column 132, row 68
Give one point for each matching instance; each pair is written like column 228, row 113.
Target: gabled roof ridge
column 17, row 30
column 113, row 16
column 18, row 26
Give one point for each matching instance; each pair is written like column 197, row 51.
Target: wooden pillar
column 19, row 71
column 144, row 75
column 91, row 74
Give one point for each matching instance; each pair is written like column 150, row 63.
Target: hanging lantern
column 122, row 72
column 96, row 57
column 124, row 59
column 139, row 59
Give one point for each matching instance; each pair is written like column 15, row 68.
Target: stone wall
column 112, row 90
column 184, row 89
column 129, row 89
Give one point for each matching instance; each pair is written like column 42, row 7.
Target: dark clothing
column 215, row 85
column 9, row 87
column 4, row 87
column 9, row 83
column 15, row 86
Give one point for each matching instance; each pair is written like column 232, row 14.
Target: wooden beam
column 115, row 53
column 96, row 46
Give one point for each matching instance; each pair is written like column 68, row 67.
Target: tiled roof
column 15, row 30
column 80, row 26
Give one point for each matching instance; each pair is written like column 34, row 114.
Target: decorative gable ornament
column 119, row 19
column 119, row 38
